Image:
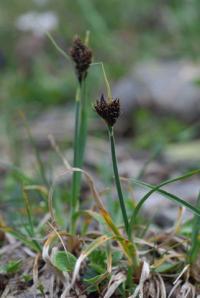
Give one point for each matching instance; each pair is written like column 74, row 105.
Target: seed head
column 82, row 57
column 109, row 111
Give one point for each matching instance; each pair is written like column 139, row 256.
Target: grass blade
column 29, row 214
column 109, row 93
column 167, row 194
column 117, row 182
column 81, row 127
column 57, row 46
column 88, row 250
column 195, row 245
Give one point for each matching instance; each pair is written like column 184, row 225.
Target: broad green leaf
column 64, row 261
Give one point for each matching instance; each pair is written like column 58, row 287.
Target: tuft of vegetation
column 60, row 235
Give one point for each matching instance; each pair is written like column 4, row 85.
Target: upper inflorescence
column 82, row 57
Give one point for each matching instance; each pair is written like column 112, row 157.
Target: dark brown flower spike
column 109, row 111
column 82, row 57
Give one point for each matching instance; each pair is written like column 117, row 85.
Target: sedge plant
column 82, row 57
column 109, row 111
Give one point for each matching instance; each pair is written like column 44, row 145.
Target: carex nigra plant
column 109, row 111
column 82, row 57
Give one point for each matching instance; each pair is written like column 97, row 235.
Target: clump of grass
column 113, row 264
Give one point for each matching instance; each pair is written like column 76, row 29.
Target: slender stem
column 109, row 93
column 136, row 261
column 75, row 179
column 81, row 124
column 117, row 181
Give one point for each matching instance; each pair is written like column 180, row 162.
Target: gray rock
column 166, row 85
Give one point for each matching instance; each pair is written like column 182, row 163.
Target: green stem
column 81, row 124
column 75, row 179
column 136, row 261
column 117, row 181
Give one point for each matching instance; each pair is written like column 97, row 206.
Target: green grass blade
column 167, row 194
column 109, row 93
column 17, row 173
column 30, row 227
column 57, row 46
column 93, row 18
column 29, row 214
column 81, row 126
column 117, row 182
column 31, row 243
column 195, row 241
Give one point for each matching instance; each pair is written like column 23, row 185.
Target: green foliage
column 96, row 270
column 170, row 196
column 153, row 131
column 98, row 261
column 11, row 267
column 117, row 182
column 168, row 267
column 21, row 226
column 64, row 261
column 27, row 278
column 121, row 35
column 120, row 32
column 195, row 240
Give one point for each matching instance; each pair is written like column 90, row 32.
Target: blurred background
column 151, row 52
